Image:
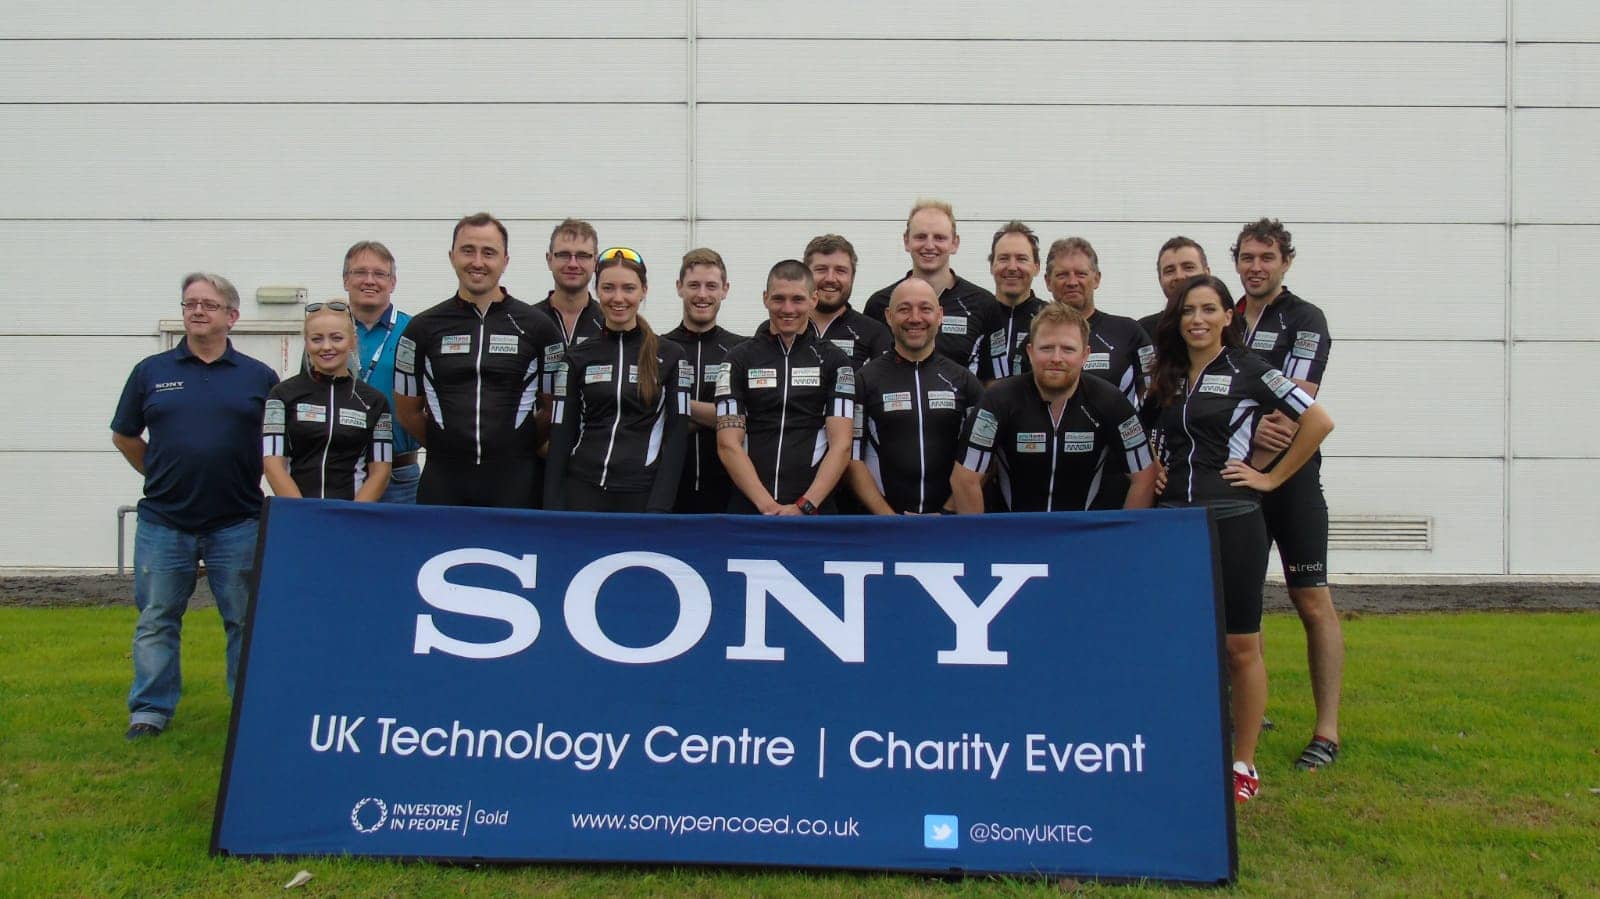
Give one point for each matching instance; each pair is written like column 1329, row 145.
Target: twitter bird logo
column 941, row 832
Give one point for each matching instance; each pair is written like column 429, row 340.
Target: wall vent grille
column 1414, row 532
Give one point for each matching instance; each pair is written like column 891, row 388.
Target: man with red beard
column 1054, row 431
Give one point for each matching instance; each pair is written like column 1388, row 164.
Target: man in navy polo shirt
column 201, row 405
column 369, row 278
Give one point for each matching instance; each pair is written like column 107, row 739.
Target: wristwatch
column 806, row 506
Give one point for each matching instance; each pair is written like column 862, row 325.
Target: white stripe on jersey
column 432, row 395
column 530, row 393
column 656, row 431
column 1244, row 426
column 272, row 445
column 1300, row 400
column 821, row 448
column 874, row 466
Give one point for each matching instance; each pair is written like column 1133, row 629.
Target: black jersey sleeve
column 406, row 381
column 842, row 396
column 275, row 424
column 382, row 420
column 1307, row 359
column 978, row 438
column 566, row 415
column 1273, row 389
column 1144, row 355
column 677, row 384
column 731, row 384
column 1121, row 427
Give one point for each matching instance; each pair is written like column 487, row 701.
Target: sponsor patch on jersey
column 941, row 399
column 1132, row 432
column 1030, row 441
column 1220, row 384
column 1264, row 340
column 848, row 344
column 758, row 378
column 686, row 374
column 899, row 401
column 384, row 429
column 405, row 355
column 954, row 324
column 455, row 344
column 1306, row 344
column 633, row 374
column 503, row 344
column 272, row 421
column 1278, row 383
column 984, row 427
column 561, row 378
column 713, row 373
column 595, row 374
column 997, row 344
column 553, row 353
column 1077, row 442
column 844, row 380
column 310, row 412
column 724, row 379
column 352, row 418
column 805, row 377
column 1098, row 362
column 1147, row 358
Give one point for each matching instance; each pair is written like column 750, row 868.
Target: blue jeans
column 403, row 484
column 164, row 561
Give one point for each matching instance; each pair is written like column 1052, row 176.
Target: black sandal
column 1319, row 753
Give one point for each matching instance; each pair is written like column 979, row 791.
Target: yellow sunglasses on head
column 626, row 253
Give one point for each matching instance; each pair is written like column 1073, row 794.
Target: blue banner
column 1003, row 693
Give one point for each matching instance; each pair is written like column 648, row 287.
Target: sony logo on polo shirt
column 168, row 385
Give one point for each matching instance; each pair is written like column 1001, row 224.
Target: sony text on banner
column 1011, row 693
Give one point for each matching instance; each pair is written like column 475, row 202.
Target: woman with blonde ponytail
column 620, row 420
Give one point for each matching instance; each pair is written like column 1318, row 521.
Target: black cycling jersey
column 1120, row 353
column 970, row 314
column 704, row 487
column 591, row 323
column 861, row 338
column 1202, row 429
column 328, row 429
column 601, row 431
column 1291, row 336
column 480, row 376
column 1004, row 350
column 908, row 424
column 1049, row 464
column 786, row 394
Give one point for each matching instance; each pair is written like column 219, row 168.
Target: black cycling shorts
column 511, row 483
column 1297, row 520
column 1242, row 547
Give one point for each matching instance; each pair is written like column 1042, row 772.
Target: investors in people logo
column 941, row 832
column 360, row 813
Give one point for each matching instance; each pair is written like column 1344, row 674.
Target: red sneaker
column 1246, row 782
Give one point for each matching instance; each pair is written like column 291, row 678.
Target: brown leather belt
column 403, row 459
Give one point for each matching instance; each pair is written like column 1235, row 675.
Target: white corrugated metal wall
column 1436, row 226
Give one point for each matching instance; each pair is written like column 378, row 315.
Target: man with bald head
column 910, row 405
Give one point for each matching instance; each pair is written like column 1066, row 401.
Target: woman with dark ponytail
column 1206, row 397
column 619, row 425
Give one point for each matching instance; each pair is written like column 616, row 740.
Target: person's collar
column 228, row 353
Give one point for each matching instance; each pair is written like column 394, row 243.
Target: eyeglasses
column 331, row 305
column 624, row 252
column 362, row 274
column 566, row 256
column 207, row 305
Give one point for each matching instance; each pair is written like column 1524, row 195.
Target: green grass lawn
column 1471, row 765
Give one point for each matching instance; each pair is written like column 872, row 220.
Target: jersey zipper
column 477, row 406
column 1055, row 428
column 616, row 418
column 699, row 378
column 783, row 418
column 333, row 409
column 922, row 448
